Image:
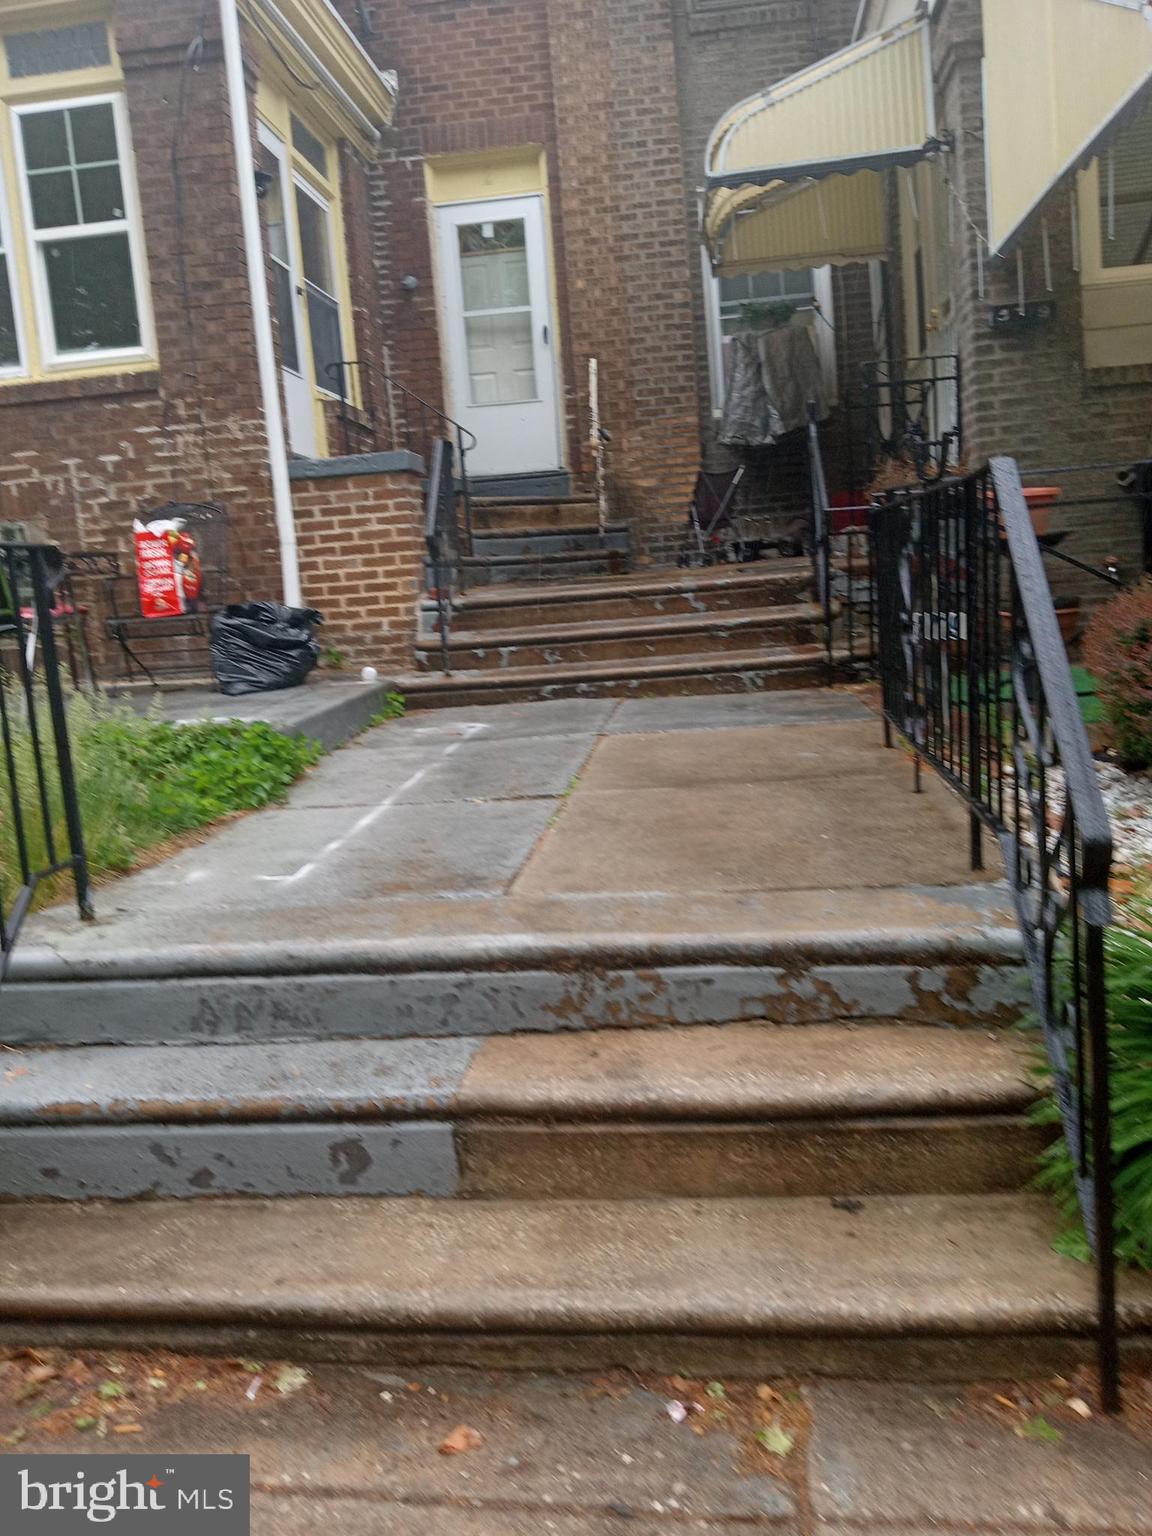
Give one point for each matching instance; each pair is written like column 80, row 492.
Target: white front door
column 287, row 292
column 497, row 315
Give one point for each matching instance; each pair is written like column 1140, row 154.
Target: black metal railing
column 975, row 677
column 41, row 834
column 1122, row 493
column 407, row 423
column 909, row 408
column 841, row 564
column 442, row 540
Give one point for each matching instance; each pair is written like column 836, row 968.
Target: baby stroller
column 711, row 533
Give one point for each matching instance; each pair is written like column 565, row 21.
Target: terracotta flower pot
column 1041, row 499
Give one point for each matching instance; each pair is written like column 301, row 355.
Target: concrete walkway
column 731, row 816
column 355, row 1451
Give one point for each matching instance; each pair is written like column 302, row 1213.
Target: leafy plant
column 1118, row 650
column 333, row 658
column 1129, row 961
column 141, row 781
column 395, row 705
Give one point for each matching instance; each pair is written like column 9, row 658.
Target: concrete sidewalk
column 729, row 816
column 355, row 1451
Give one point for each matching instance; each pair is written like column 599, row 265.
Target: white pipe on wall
column 261, row 309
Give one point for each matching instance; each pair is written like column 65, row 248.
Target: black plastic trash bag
column 258, row 647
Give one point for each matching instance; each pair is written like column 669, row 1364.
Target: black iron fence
column 41, row 835
column 393, row 418
column 442, row 540
column 975, row 677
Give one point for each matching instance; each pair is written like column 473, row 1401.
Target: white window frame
column 325, row 204
column 131, row 224
column 20, row 369
column 825, row 334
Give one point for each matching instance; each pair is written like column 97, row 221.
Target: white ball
column 369, row 675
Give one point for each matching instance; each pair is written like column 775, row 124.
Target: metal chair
column 710, row 515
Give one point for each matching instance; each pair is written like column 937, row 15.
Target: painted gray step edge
column 123, row 1163
column 435, row 1005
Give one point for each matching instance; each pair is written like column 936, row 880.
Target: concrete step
column 493, row 514
column 639, row 594
column 301, row 988
column 496, row 570
column 929, row 1285
column 690, row 1112
column 649, row 638
column 552, row 485
column 701, row 672
column 530, row 542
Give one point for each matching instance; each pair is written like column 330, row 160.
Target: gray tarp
column 774, row 374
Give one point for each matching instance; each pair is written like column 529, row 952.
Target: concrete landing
column 324, row 709
column 485, row 830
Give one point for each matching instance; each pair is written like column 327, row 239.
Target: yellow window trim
column 1107, row 344
column 277, row 102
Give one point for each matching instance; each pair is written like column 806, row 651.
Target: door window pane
column 276, row 233
column 500, row 361
column 1126, row 195
column 92, row 294
column 9, row 347
column 306, row 143
column 324, row 327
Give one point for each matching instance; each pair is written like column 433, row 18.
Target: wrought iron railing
column 39, row 809
column 841, row 565
column 1120, row 492
column 442, row 540
column 407, row 422
column 909, row 408
column 975, row 677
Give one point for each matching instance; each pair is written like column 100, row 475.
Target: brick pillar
column 359, row 525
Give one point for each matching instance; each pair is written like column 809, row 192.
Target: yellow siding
column 870, row 98
column 1056, row 73
column 834, row 221
column 470, row 178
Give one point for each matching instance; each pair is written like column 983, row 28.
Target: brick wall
column 81, row 459
column 1029, row 394
column 360, row 532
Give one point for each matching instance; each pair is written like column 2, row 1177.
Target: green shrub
column 141, row 781
column 1118, row 650
column 1129, row 960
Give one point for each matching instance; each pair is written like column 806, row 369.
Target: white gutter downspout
column 261, row 309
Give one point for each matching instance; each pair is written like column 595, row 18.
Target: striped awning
column 1057, row 75
column 794, row 172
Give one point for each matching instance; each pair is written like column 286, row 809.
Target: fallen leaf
column 776, row 1440
column 715, row 1390
column 157, row 1383
column 463, row 1438
column 676, row 1412
column 41, row 1373
column 128, row 1429
column 1078, row 1405
column 290, row 1378
column 1006, row 1402
column 109, row 1389
column 1039, row 1429
column 768, row 1395
column 15, row 1437
column 87, row 1422
column 253, row 1388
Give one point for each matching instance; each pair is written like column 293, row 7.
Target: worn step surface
column 530, row 541
column 650, row 638
column 929, row 1284
column 736, row 1110
column 492, row 514
column 637, row 594
column 486, row 571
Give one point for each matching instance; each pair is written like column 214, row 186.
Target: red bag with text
column 158, row 574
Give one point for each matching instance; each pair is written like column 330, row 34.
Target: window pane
column 93, row 133
column 308, row 145
column 314, row 248
column 285, row 316
column 9, row 350
column 56, row 51
column 101, row 195
column 324, row 325
column 274, row 224
column 92, row 293
column 798, row 284
column 53, row 196
column 500, row 360
column 1126, row 196
column 45, row 140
